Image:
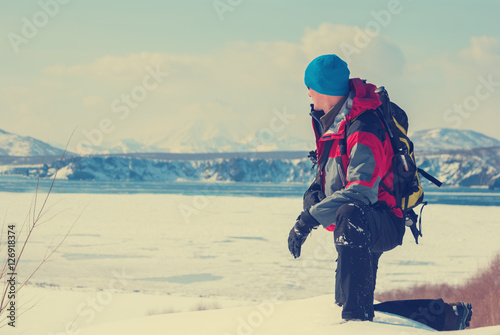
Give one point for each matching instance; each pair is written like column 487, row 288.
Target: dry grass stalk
column 31, row 223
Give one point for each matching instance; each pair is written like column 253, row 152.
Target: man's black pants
column 362, row 234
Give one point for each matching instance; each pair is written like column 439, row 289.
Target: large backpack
column 407, row 190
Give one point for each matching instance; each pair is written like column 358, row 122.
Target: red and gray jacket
column 359, row 161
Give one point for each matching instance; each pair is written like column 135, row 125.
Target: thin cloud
column 241, row 83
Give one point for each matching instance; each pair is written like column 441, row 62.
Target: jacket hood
column 365, row 97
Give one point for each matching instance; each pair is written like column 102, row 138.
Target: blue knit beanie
column 328, row 74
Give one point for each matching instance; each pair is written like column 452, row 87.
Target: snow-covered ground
column 130, row 256
column 318, row 315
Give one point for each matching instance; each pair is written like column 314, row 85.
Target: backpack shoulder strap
column 430, row 178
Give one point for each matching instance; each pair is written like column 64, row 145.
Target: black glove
column 298, row 234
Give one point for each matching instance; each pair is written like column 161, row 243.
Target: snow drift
column 319, row 316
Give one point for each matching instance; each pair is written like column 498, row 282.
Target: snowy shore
column 136, row 255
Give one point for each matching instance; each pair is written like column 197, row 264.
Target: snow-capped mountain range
column 456, row 157
column 478, row 167
column 198, row 138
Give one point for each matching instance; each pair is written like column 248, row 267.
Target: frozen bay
column 231, row 246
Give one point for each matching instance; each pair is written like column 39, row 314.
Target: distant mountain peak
column 17, row 145
column 432, row 140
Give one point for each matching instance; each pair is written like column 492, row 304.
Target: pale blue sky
column 430, row 55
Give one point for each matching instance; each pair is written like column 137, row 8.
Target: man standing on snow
column 351, row 195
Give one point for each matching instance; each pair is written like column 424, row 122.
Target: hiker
column 352, row 192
